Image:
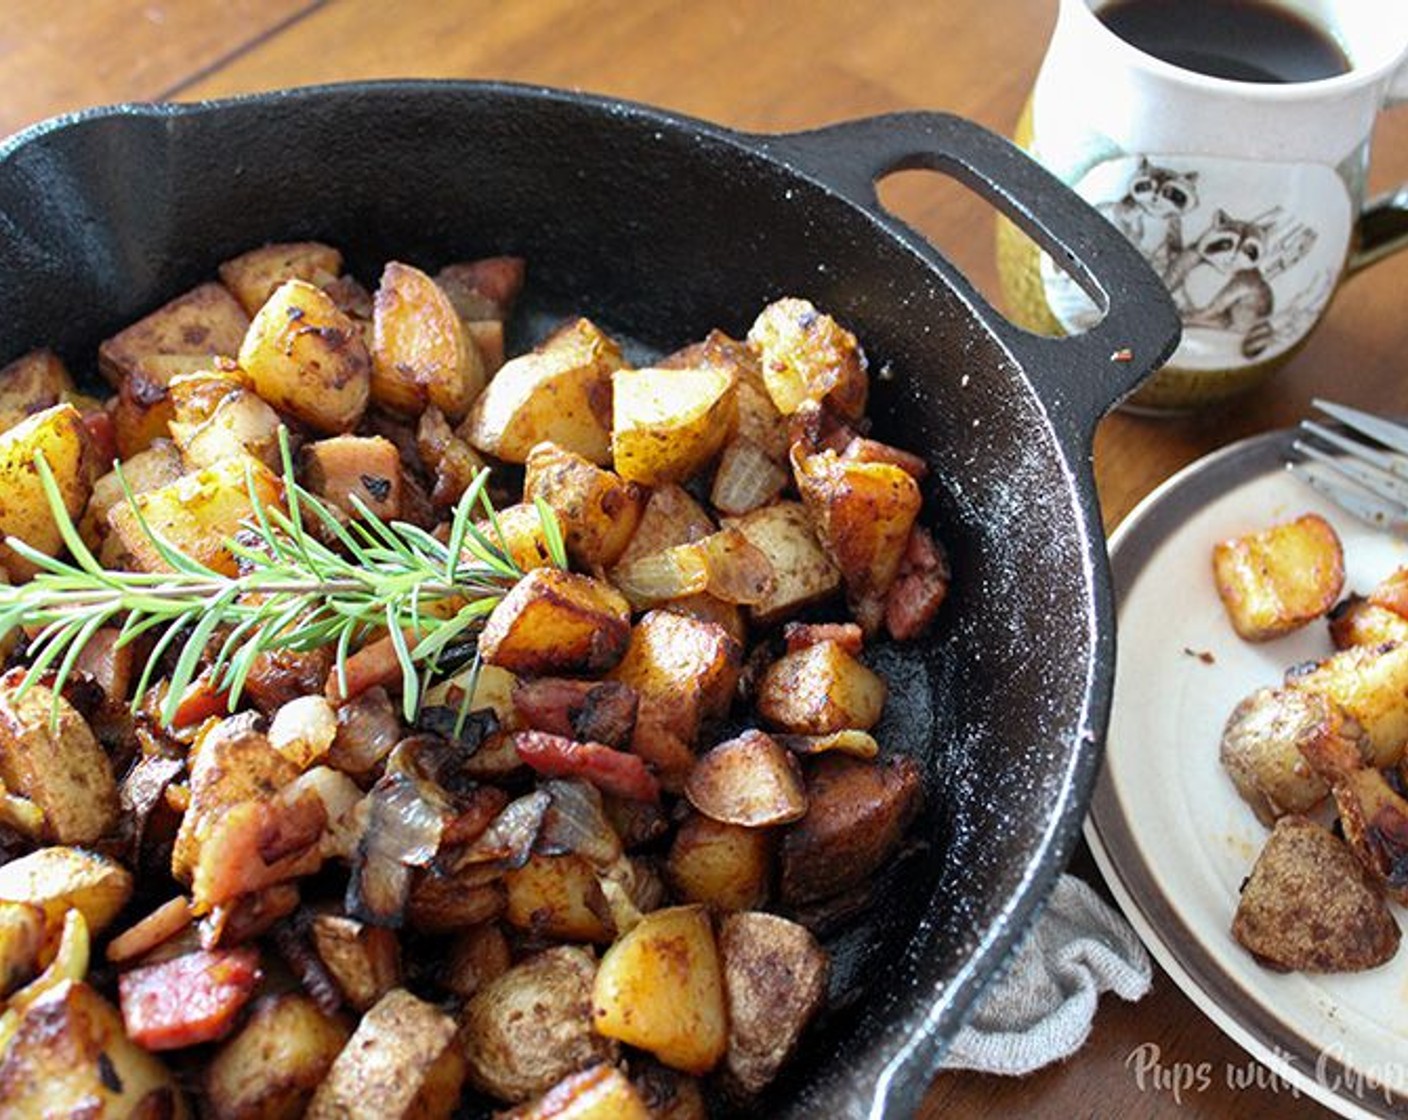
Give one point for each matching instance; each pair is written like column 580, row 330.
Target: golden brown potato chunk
column 558, row 897
column 1308, row 906
column 368, row 467
column 1261, row 750
column 820, row 689
column 401, row 1063
column 775, row 976
column 724, row 866
column 214, row 416
column 671, row 517
column 597, row 510
column 253, row 276
column 364, row 960
column 1357, row 621
column 518, row 531
column 667, row 424
column 421, row 353
column 526, row 1030
column 305, row 357
column 30, row 384
column 557, row 622
column 748, row 780
column 599, row 1093
column 1370, row 683
column 807, row 356
column 561, row 393
column 802, row 572
column 57, row 433
column 1276, row 580
column 57, row 764
column 182, row 336
column 857, row 813
column 59, row 879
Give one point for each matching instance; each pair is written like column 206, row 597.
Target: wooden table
column 767, row 65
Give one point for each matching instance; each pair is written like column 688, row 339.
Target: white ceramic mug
column 1247, row 198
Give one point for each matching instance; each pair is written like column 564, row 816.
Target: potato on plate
column 561, row 392
column 421, row 352
column 59, row 435
column 806, row 355
column 1357, row 621
column 667, row 424
column 597, row 510
column 1370, row 683
column 305, row 357
column 557, row 622
column 1278, row 579
column 401, row 1063
column 254, row 276
column 1261, row 750
column 820, row 689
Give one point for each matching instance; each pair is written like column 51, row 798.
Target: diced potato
column 1308, row 906
column 214, row 417
column 561, row 393
column 558, row 897
column 56, row 763
column 1370, row 683
column 724, row 866
column 368, row 467
column 748, row 780
column 59, row 879
column 526, row 1030
column 455, row 464
column 758, row 418
column 306, row 358
column 442, row 903
column 182, row 336
column 401, row 1063
column 23, row 931
column 476, row 956
column 1276, row 580
column 58, row 433
column 820, row 689
column 863, row 513
column 147, row 470
column 802, row 572
column 520, row 534
column 708, row 608
column 30, row 384
column 141, row 416
column 599, row 1093
column 70, row 1057
column 1356, row 621
column 660, row 988
column 1392, row 592
column 857, row 814
column 254, row 276
column 775, row 982
column 807, row 356
column 365, row 960
column 483, row 290
column 1261, row 750
column 270, row 1069
column 671, row 517
column 667, row 424
column 197, row 514
column 597, row 510
column 421, row 353
column 557, row 622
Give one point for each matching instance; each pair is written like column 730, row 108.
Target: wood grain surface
column 771, row 65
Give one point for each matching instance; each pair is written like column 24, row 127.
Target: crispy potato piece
column 22, row 940
column 30, row 384
column 807, row 356
column 182, row 336
column 709, row 608
column 197, row 514
column 520, row 533
column 1261, row 750
column 57, row 764
column 401, row 1063
column 857, row 814
column 270, row 1069
column 1309, row 907
column 446, row 903
column 421, row 353
column 526, row 1030
column 254, row 276
column 1357, row 621
column 365, row 960
column 820, row 689
column 70, row 1057
column 366, row 466
column 59, row 879
column 802, row 572
column 599, row 1093
column 58, row 433
column 660, row 988
column 306, row 358
column 215, row 417
column 597, row 510
column 748, row 780
column 560, row 393
column 1371, row 684
column 667, row 424
column 671, row 517
column 560, row 898
column 151, row 469
column 775, row 977
column 724, row 866
column 1277, row 580
column 485, row 289
column 557, row 622
column 758, row 418
column 141, row 416
column 863, row 513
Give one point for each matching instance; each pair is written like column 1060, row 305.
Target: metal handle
column 1080, row 377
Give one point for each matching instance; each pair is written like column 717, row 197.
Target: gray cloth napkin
column 1040, row 1010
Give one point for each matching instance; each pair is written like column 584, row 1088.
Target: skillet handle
column 1079, row 377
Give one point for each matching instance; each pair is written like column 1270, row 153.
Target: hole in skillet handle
column 1080, row 377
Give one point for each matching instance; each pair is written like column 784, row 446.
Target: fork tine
column 1369, row 482
column 1393, row 436
column 1377, row 481
column 1377, row 512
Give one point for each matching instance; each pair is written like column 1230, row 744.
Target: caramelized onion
column 662, row 576
column 508, row 841
column 367, row 729
column 747, row 479
column 576, row 822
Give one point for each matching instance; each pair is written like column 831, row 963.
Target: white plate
column 1170, row 834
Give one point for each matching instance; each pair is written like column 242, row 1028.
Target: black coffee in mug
column 1244, row 40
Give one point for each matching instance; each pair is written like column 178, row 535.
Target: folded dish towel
column 1040, row 1010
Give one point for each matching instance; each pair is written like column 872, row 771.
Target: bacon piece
column 873, row 451
column 189, row 999
column 847, row 635
column 593, row 711
column 611, row 771
column 920, row 587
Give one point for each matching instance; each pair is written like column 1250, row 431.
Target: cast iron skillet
column 662, row 228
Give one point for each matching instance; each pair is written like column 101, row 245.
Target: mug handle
column 1383, row 223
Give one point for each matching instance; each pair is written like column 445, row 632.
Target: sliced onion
column 367, row 729
column 576, row 822
column 747, row 479
column 508, row 841
column 162, row 924
column 739, row 571
column 404, row 827
column 303, row 730
column 662, row 576
column 858, row 744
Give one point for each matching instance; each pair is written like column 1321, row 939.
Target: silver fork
column 1361, row 466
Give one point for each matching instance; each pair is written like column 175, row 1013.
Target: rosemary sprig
column 296, row 591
